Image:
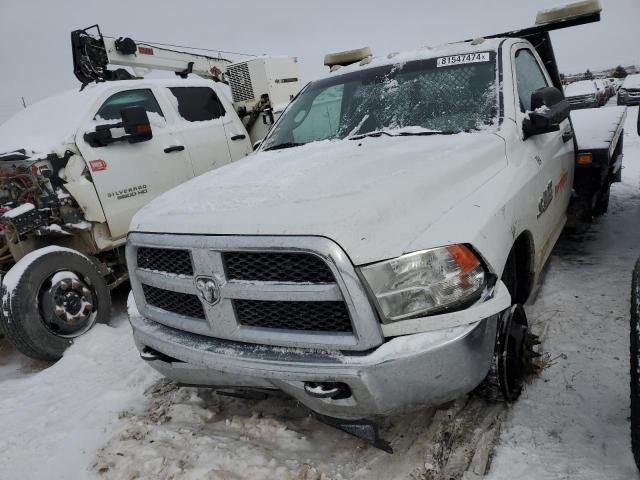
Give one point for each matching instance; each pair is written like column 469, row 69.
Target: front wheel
column 635, row 363
column 50, row 297
column 513, row 358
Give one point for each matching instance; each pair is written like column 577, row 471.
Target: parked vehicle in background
column 629, row 91
column 374, row 255
column 583, row 94
column 75, row 168
column 604, row 90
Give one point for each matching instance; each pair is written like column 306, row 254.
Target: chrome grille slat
column 166, row 282
column 281, row 291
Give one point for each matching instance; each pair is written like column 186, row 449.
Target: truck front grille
column 291, row 291
column 307, row 316
column 283, row 267
column 174, row 302
column 165, row 260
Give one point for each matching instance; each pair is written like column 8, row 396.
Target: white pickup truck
column 373, row 256
column 76, row 167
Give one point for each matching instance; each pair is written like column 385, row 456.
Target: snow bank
column 53, row 421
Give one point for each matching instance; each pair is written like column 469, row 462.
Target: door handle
column 175, row 148
column 240, row 136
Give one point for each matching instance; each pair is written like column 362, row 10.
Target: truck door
column 552, row 152
column 128, row 176
column 200, row 124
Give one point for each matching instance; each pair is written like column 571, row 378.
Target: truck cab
column 193, row 130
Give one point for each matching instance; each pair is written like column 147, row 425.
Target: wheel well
column 523, row 252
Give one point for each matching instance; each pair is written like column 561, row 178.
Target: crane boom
column 92, row 54
column 260, row 86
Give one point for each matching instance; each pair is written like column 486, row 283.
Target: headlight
column 425, row 282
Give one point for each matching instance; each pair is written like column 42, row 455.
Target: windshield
column 414, row 98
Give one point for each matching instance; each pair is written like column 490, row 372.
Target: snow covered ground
column 101, row 413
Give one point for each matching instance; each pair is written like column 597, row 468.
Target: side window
column 323, row 119
column 110, row 109
column 529, row 77
column 197, row 104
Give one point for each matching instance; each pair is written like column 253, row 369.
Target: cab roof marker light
column 347, row 57
column 568, row 12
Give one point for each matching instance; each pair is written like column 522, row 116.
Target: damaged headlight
column 425, row 282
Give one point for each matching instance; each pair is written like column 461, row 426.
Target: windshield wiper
column 377, row 133
column 280, row 146
column 425, row 133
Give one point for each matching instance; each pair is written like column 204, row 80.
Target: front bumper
column 403, row 374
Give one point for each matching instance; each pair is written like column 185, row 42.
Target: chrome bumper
column 402, row 374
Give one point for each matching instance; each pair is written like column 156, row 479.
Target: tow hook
column 362, row 429
column 332, row 390
column 149, row 354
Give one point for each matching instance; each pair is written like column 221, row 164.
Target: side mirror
column 135, row 123
column 548, row 109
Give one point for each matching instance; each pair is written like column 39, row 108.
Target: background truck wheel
column 50, row 297
column 635, row 364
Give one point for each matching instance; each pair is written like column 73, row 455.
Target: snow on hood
column 372, row 196
column 46, row 125
column 583, row 87
column 632, row 81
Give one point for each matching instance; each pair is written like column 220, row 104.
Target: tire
column 635, row 366
column 513, row 358
column 50, row 297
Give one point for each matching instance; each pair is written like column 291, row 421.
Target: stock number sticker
column 461, row 59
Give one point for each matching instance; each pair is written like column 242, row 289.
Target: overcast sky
column 35, row 53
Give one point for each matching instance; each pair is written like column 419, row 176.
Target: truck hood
column 372, row 196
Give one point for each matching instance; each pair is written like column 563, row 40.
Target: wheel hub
column 69, row 305
column 516, row 354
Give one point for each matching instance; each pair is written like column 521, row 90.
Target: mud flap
column 362, row 429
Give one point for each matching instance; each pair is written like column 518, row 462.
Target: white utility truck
column 75, row 168
column 374, row 254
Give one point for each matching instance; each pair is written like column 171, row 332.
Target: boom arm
column 92, row 54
